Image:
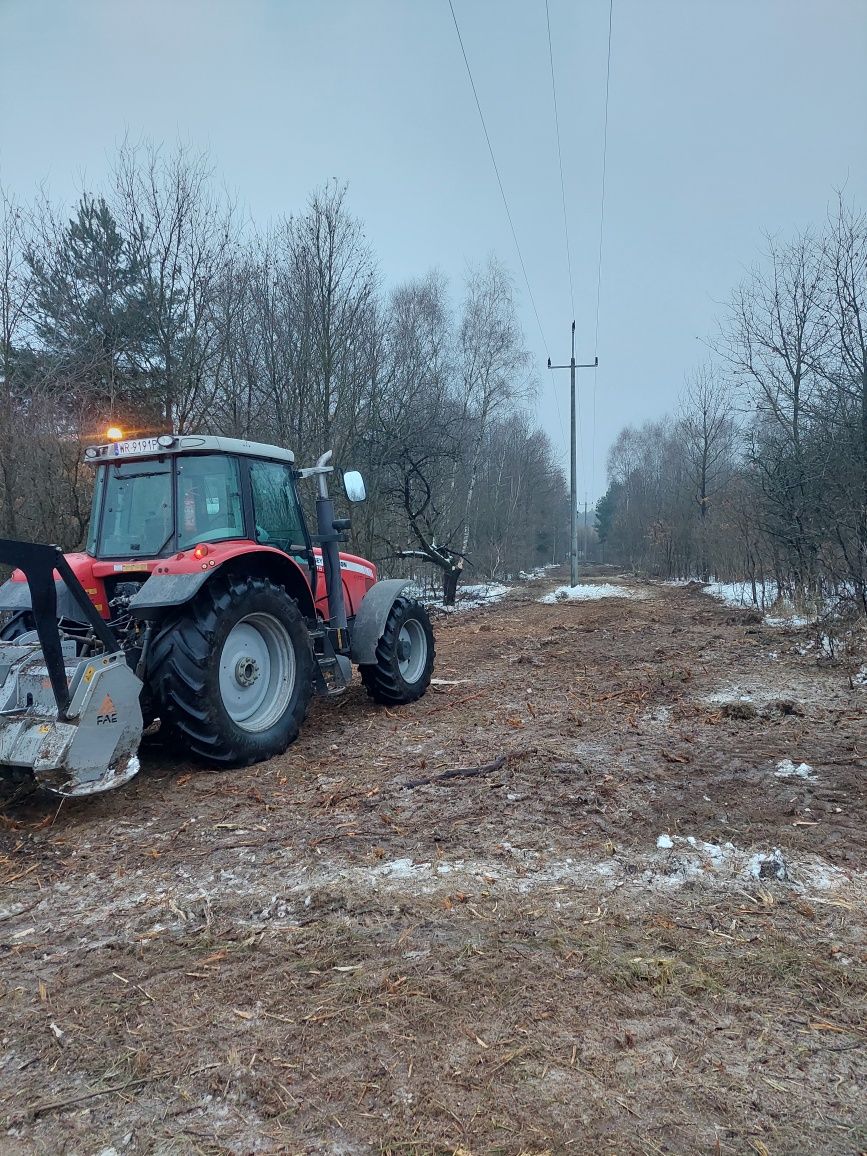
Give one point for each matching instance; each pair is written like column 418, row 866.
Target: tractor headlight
column 166, row 441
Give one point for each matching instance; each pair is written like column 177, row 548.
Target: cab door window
column 275, row 506
column 209, row 500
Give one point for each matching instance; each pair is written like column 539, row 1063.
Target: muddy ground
column 317, row 956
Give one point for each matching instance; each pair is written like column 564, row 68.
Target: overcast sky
column 728, row 119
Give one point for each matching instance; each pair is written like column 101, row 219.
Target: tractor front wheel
column 233, row 672
column 404, row 656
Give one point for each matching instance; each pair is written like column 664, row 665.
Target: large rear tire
column 404, row 656
column 233, row 671
column 18, row 624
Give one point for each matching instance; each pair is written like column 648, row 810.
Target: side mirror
column 353, row 485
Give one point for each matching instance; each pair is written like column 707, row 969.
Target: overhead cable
column 497, row 174
column 601, row 234
column 560, row 159
column 508, row 214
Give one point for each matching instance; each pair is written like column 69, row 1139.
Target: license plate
column 136, row 446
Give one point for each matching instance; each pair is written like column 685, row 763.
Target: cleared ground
column 322, row 954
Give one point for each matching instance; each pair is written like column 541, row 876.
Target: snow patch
column 586, row 592
column 186, row 898
column 740, row 595
column 789, row 620
column 786, row 769
column 399, row 868
column 536, row 573
column 693, row 859
column 476, row 595
column 729, row 695
column 771, row 866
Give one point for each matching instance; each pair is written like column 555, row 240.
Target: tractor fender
column 168, row 591
column 369, row 623
column 15, row 596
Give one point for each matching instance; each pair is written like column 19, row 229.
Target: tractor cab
column 156, row 496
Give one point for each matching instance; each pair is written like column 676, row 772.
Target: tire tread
column 382, row 679
column 178, row 669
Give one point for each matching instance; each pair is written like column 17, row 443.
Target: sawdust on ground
column 627, row 933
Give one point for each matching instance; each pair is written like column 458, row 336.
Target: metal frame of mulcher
column 39, row 564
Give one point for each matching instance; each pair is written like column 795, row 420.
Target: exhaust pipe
column 329, row 537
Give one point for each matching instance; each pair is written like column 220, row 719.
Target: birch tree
column 492, row 373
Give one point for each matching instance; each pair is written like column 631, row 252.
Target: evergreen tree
column 88, row 307
column 606, row 509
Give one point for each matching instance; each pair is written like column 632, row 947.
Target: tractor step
column 330, row 681
column 332, row 672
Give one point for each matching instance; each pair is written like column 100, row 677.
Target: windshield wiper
column 150, row 474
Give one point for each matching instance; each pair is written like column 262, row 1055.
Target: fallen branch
column 460, row 772
column 55, row 1105
column 458, row 701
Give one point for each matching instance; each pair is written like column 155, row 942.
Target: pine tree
column 88, row 308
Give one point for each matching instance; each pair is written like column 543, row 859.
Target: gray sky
column 728, row 119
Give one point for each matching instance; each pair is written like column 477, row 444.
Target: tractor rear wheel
column 404, row 656
column 18, row 624
column 233, row 671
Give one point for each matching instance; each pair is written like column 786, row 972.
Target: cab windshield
column 166, row 504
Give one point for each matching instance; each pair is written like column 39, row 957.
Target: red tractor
column 201, row 602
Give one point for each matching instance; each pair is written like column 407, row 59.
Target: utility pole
column 573, row 462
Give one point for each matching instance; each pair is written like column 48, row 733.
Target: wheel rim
column 411, row 650
column 257, row 672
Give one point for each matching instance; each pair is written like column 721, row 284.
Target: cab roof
column 151, row 447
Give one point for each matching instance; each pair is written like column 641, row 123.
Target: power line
column 566, row 232
column 576, row 399
column 601, row 235
column 497, row 172
column 508, row 211
column 560, row 159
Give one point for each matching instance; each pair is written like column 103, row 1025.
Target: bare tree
column 154, row 304
column 331, row 280
column 491, row 375
column 774, row 337
column 706, row 423
column 184, row 235
column 844, row 367
column 417, row 419
column 16, row 286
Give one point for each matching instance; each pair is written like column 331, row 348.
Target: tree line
column 155, row 305
column 761, row 474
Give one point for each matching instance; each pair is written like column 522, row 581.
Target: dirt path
column 637, row 932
